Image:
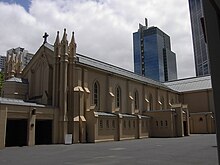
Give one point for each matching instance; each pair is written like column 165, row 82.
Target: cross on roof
column 45, row 37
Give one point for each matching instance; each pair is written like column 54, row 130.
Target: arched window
column 166, row 123
column 157, row 123
column 101, row 123
column 162, row 103
column 96, row 95
column 150, row 102
column 118, row 97
column 171, row 101
column 136, row 100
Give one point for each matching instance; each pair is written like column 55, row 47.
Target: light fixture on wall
column 33, row 112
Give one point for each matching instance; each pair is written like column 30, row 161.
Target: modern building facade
column 16, row 60
column 2, row 63
column 201, row 57
column 64, row 97
column 153, row 57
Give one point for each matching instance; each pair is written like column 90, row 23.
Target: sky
column 103, row 28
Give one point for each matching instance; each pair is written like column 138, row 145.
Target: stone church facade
column 64, row 97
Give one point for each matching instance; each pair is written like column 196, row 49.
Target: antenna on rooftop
column 146, row 22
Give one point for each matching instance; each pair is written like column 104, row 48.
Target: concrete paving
column 191, row 150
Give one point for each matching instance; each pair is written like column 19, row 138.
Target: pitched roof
column 84, row 60
column 104, row 114
column 190, row 84
column 17, row 80
column 18, row 102
column 182, row 85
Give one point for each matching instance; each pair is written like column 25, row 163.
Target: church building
column 64, row 97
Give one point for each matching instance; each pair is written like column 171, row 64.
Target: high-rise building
column 202, row 64
column 16, row 60
column 153, row 57
column 2, row 62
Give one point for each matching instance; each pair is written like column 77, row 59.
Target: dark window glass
column 118, row 97
column 136, row 100
column 96, row 95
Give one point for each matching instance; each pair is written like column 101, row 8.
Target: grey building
column 202, row 64
column 2, row 62
column 153, row 57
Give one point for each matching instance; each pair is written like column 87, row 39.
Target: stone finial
column 64, row 45
column 57, row 41
column 64, row 39
column 72, row 46
column 73, row 43
column 73, row 39
column 57, row 46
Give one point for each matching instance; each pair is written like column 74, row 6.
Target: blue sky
column 103, row 28
column 24, row 3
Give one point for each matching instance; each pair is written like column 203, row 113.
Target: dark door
column 185, row 128
column 16, row 132
column 43, row 132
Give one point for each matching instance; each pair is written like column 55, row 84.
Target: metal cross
column 45, row 37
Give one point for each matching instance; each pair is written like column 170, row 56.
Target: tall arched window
column 162, row 103
column 150, row 102
column 118, row 97
column 171, row 101
column 136, row 100
column 96, row 95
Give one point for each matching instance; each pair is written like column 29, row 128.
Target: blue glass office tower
column 153, row 57
column 200, row 47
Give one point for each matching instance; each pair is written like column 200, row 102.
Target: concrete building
column 64, row 97
column 2, row 62
column 201, row 57
column 16, row 60
column 153, row 57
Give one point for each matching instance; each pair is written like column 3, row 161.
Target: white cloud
column 103, row 28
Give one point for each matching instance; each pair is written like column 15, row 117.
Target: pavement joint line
column 117, row 149
column 104, row 157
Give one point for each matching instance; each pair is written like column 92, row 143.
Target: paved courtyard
column 195, row 150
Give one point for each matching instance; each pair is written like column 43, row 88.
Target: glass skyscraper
column 199, row 45
column 153, row 57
